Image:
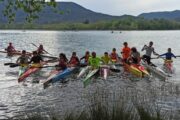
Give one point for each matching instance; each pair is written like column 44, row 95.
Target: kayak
column 34, row 68
column 62, row 75
column 22, row 69
column 104, row 71
column 168, row 66
column 158, row 72
column 52, row 74
column 87, row 80
column 133, row 70
column 14, row 53
column 83, row 71
column 142, row 69
column 113, row 68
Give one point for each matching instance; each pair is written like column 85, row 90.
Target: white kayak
column 104, row 71
column 83, row 71
column 158, row 72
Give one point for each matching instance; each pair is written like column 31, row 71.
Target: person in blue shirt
column 168, row 55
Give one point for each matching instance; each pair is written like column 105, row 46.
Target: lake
column 16, row 98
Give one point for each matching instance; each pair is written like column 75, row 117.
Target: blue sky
column 130, row 7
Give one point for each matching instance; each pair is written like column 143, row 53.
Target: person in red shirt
column 63, row 61
column 126, row 51
column 114, row 56
column 74, row 61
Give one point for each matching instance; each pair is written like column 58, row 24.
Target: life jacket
column 86, row 58
column 106, row 59
column 40, row 50
column 62, row 64
column 114, row 57
column 10, row 49
column 24, row 59
column 74, row 60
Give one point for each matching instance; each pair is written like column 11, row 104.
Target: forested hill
column 74, row 13
column 169, row 15
column 64, row 12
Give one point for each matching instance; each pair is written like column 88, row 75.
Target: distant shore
column 125, row 24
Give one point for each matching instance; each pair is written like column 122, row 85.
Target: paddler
column 23, row 59
column 10, row 49
column 85, row 57
column 106, row 58
column 94, row 61
column 36, row 59
column 149, row 50
column 126, row 51
column 134, row 56
column 114, row 56
column 63, row 61
column 40, row 49
column 74, row 60
column 168, row 55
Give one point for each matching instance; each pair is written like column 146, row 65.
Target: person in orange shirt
column 126, row 51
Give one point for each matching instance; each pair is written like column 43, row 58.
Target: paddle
column 43, row 49
column 8, row 63
column 158, row 58
column 14, row 65
column 49, row 56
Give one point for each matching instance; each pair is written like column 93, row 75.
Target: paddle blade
column 8, row 63
column 14, row 65
column 115, row 70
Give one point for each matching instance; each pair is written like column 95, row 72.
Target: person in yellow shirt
column 106, row 58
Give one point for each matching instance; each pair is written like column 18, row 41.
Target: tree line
column 121, row 24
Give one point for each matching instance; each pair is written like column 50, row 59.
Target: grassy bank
column 120, row 105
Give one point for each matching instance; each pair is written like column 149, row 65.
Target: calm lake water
column 16, row 98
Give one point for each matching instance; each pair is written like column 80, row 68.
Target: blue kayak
column 63, row 74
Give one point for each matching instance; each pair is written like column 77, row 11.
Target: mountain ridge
column 74, row 13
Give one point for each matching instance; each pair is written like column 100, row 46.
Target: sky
column 129, row 7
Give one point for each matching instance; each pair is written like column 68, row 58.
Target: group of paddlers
column 129, row 55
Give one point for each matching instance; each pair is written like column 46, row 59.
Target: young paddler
column 74, row 60
column 23, row 60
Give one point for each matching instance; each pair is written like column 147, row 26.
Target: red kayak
column 34, row 68
column 15, row 53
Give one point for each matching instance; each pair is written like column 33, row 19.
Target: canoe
column 83, row 71
column 158, row 72
column 33, row 69
column 91, row 73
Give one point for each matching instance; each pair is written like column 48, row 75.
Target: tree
column 30, row 7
